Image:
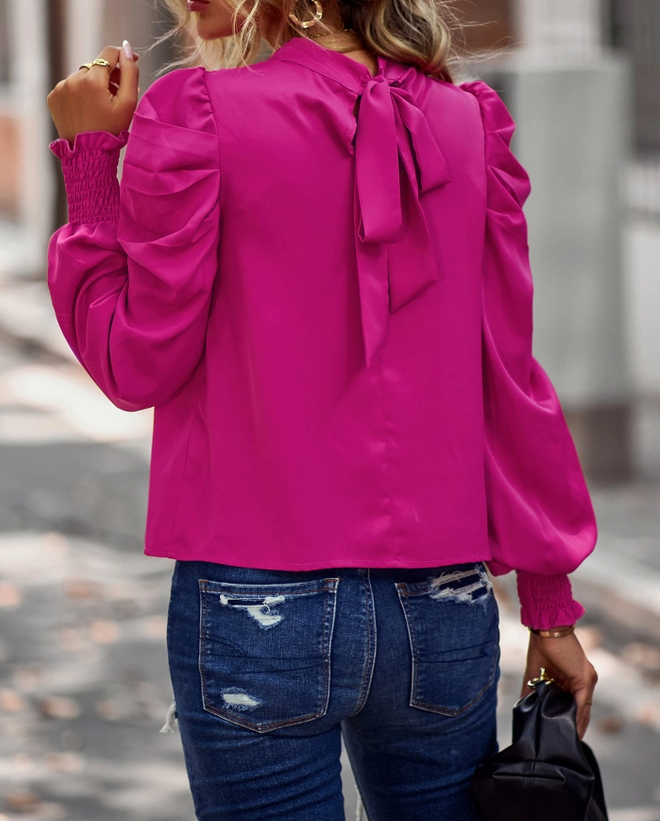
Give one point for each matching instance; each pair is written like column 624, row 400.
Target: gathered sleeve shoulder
column 131, row 273
column 541, row 518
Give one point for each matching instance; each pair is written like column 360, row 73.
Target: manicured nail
column 128, row 51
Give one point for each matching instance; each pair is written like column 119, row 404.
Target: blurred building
column 629, row 27
column 633, row 27
column 41, row 42
column 582, row 79
column 568, row 93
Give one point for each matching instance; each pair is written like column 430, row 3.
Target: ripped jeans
column 271, row 668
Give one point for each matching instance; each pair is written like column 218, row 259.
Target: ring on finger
column 98, row 62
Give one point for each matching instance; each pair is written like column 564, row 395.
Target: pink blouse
column 330, row 309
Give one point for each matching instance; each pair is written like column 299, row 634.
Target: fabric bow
column 395, row 255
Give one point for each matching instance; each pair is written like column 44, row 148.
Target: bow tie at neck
column 397, row 159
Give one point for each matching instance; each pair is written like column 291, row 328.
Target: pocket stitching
column 444, row 710
column 330, row 606
column 211, row 587
column 414, row 700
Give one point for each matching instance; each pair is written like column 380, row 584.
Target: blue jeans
column 270, row 668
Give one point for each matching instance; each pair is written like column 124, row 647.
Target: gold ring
column 98, row 62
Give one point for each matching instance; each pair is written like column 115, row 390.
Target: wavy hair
column 415, row 32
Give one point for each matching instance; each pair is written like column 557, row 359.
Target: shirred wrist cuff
column 546, row 601
column 90, row 174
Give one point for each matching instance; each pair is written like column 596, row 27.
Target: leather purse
column 548, row 772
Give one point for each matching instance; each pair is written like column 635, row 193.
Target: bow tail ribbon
column 396, row 257
column 373, row 282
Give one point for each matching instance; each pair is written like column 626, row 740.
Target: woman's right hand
column 564, row 660
column 95, row 99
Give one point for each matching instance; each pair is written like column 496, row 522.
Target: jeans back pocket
column 264, row 651
column 453, row 627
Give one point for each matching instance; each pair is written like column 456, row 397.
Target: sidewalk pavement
column 618, row 584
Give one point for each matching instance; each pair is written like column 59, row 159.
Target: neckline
column 335, row 64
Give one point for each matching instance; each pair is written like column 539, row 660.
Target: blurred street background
column 84, row 687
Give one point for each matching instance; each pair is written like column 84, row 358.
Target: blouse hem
column 318, row 565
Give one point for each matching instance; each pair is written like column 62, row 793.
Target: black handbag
column 548, row 772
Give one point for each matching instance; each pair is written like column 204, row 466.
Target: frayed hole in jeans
column 448, row 585
column 171, row 721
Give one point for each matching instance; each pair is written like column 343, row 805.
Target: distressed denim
column 270, row 669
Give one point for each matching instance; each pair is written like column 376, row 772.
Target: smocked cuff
column 90, row 174
column 546, row 601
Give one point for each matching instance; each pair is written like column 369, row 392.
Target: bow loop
column 434, row 170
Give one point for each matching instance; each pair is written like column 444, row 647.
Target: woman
column 316, row 271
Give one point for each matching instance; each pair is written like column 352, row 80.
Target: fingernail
column 128, row 51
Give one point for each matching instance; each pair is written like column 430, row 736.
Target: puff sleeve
column 131, row 274
column 541, row 519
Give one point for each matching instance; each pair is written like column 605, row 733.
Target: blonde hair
column 415, row 32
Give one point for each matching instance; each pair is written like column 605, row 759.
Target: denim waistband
column 213, row 570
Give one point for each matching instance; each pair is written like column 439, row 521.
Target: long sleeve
column 541, row 519
column 131, row 274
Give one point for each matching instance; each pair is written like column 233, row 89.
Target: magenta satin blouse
column 330, row 308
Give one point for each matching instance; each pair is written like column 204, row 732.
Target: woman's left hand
column 97, row 99
column 564, row 660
